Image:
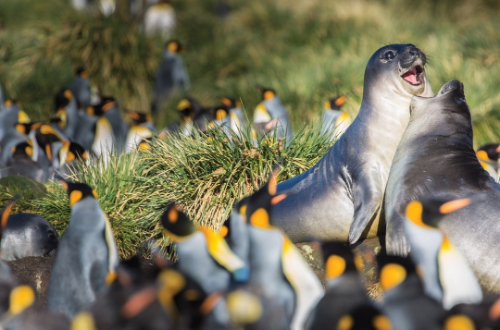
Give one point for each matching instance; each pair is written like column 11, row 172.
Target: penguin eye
column 389, row 55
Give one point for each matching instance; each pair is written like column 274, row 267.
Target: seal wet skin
column 436, row 157
column 340, row 198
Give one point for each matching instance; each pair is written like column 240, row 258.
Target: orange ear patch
column 74, row 197
column 220, row 114
column 260, row 218
column 335, row 266
column 392, row 275
column 224, row 231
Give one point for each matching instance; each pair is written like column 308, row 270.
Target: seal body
column 28, row 235
column 340, row 198
column 436, row 157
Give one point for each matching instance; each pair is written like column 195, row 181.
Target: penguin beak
column 341, row 100
column 454, row 205
column 457, row 204
column 6, row 212
column 63, row 153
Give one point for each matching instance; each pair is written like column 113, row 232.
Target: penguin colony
column 248, row 274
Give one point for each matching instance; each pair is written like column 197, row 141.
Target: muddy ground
column 35, row 271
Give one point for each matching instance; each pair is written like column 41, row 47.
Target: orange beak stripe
column 454, row 205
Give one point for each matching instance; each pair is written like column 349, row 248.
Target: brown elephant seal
column 436, row 157
column 341, row 197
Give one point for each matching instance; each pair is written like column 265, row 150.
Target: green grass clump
column 205, row 174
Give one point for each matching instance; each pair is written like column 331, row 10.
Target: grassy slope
column 307, row 51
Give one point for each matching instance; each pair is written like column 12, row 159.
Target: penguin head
column 220, row 112
column 491, row 151
column 139, row 117
column 144, row 144
column 239, row 214
column 339, row 260
column 394, row 270
column 62, row 98
column 364, row 317
column 23, row 149
column 45, row 135
column 267, row 93
column 430, row 211
column 82, row 72
column 258, row 210
column 230, row 102
column 189, row 108
column 335, row 103
column 78, row 191
column 23, row 128
column 71, row 151
column 176, row 224
column 458, row 321
column 174, row 47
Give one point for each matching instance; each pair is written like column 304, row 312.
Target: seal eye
column 389, row 55
column 52, row 236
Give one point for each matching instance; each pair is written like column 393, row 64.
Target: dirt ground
column 35, row 271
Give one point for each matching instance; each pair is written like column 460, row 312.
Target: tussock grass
column 205, row 174
column 308, row 51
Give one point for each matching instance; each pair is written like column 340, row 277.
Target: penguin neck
column 87, row 214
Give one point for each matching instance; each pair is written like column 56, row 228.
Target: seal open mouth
column 414, row 74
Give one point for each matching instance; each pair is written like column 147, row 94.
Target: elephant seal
column 28, row 235
column 341, row 197
column 436, row 157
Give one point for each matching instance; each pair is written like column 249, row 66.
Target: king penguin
column 277, row 267
column 335, row 121
column 142, row 129
column 21, row 163
column 488, row 155
column 404, row 301
column 447, row 276
column 67, row 112
column 203, row 253
column 270, row 115
column 170, row 75
column 238, row 122
column 80, row 87
column 87, row 256
column 205, row 257
column 344, row 289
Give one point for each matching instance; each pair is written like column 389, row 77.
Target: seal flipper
column 367, row 201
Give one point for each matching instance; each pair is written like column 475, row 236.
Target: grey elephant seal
column 28, row 235
column 436, row 157
column 341, row 197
